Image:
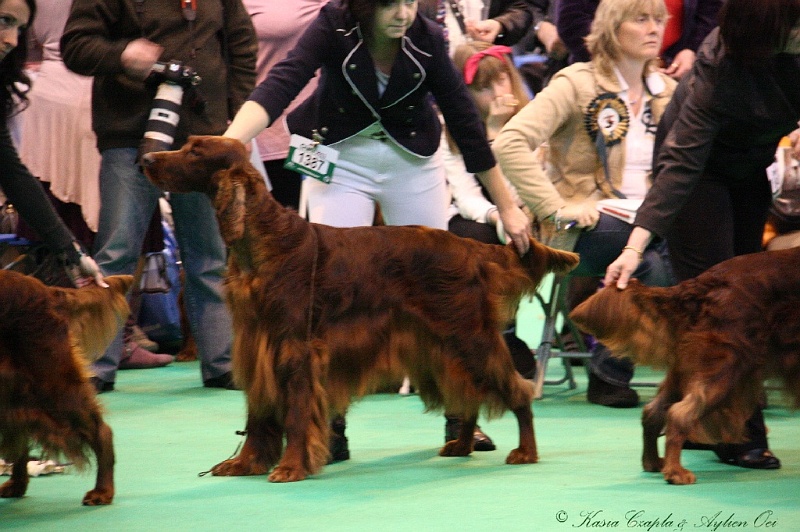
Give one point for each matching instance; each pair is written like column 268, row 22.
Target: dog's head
column 196, row 166
column 95, row 314
column 637, row 322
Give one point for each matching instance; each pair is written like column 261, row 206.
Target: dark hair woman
column 711, row 194
column 20, row 187
column 380, row 62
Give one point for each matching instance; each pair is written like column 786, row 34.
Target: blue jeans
column 128, row 201
column 600, row 247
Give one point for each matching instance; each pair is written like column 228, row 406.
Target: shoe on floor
column 134, row 333
column 480, row 441
column 753, row 459
column 223, row 381
column 338, row 446
column 137, row 357
column 603, row 393
column 102, row 386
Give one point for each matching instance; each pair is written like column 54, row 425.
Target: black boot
column 603, row 393
column 338, row 442
column 480, row 441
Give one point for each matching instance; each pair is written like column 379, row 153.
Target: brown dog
column 47, row 336
column 718, row 336
column 323, row 314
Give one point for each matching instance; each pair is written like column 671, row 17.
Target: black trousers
column 721, row 220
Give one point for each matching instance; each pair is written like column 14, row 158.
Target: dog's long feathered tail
column 541, row 260
column 95, row 314
column 638, row 322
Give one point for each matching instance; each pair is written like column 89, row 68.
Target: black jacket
column 346, row 100
column 724, row 123
column 221, row 45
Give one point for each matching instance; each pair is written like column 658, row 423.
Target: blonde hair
column 602, row 42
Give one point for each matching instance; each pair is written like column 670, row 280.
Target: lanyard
column 189, row 8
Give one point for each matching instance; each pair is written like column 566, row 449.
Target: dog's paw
column 238, row 468
column 521, row 456
column 454, row 448
column 98, row 497
column 653, row 465
column 286, row 474
column 679, row 475
column 13, row 489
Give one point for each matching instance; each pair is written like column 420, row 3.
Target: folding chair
column 557, row 312
column 555, row 307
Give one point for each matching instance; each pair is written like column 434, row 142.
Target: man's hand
column 139, row 57
column 547, row 34
column 484, row 30
column 680, row 65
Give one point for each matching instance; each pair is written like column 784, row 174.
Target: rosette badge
column 608, row 114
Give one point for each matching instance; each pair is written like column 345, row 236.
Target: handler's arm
column 251, row 120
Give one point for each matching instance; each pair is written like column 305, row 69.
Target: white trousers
column 409, row 189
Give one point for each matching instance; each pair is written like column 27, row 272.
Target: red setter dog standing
column 323, row 314
column 718, row 336
column 47, row 336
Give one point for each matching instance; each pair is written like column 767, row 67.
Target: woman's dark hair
column 364, row 13
column 14, row 82
column 753, row 30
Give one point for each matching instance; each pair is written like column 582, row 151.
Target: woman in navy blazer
column 380, row 62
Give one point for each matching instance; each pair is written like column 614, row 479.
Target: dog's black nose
column 147, row 159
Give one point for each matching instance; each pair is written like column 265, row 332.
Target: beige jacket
column 557, row 116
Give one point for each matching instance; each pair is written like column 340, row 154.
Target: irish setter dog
column 322, row 315
column 47, row 337
column 718, row 336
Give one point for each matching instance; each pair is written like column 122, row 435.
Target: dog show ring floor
column 168, row 429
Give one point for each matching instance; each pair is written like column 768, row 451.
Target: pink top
column 57, row 142
column 278, row 27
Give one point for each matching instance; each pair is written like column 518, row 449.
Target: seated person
column 599, row 120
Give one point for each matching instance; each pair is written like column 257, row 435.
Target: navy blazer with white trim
column 346, row 100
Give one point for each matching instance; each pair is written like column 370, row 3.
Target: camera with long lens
column 173, row 81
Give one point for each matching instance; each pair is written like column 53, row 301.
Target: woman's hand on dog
column 621, row 270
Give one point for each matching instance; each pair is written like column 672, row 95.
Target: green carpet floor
column 168, row 429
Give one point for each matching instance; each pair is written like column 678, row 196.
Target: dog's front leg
column 680, row 417
column 261, row 450
column 462, row 446
column 652, row 425
column 306, row 423
column 654, row 416
column 103, row 446
column 526, row 452
column 17, row 485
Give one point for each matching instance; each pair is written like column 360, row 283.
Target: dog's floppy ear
column 230, row 205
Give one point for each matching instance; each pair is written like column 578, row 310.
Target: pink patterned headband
column 471, row 66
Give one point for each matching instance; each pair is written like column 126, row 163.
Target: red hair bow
column 471, row 66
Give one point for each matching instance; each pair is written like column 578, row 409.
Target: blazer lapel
column 406, row 67
column 359, row 71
